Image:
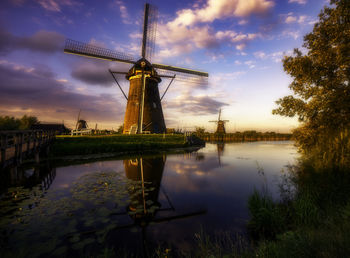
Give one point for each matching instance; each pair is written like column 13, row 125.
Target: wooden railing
column 17, row 145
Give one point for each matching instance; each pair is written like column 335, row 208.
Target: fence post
column 20, row 138
column 3, row 149
column 15, row 142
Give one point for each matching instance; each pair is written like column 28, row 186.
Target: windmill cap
column 146, row 66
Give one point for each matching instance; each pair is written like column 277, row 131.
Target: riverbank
column 246, row 136
column 121, row 144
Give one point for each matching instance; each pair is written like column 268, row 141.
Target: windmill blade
column 183, row 77
column 180, row 70
column 89, row 50
column 149, row 31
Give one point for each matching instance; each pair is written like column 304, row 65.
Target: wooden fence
column 18, row 145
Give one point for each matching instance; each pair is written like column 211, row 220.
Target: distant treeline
column 12, row 123
column 245, row 136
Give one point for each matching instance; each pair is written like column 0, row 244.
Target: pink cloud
column 188, row 31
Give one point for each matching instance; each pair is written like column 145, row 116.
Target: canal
column 137, row 204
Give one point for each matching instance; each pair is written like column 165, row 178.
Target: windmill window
column 154, row 105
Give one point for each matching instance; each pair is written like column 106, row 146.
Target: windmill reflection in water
column 144, row 207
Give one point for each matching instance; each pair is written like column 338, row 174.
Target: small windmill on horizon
column 143, row 110
column 221, row 124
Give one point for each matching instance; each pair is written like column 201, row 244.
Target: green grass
column 314, row 222
column 81, row 145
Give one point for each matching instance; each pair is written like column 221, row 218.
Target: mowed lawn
column 78, row 145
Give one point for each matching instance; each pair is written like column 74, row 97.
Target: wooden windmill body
column 220, row 124
column 144, row 112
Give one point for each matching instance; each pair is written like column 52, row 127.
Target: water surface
column 138, row 202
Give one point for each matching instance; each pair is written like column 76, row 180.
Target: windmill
column 81, row 124
column 81, row 127
column 143, row 110
column 221, row 124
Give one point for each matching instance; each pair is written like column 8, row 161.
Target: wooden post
column 15, row 142
column 20, row 147
column 37, row 155
column 3, row 149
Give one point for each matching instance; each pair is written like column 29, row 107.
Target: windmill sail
column 184, row 77
column 149, row 31
column 180, row 70
column 89, row 50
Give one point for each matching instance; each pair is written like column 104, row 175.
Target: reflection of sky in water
column 199, row 180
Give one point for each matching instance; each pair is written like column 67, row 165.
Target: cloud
column 292, row 19
column 290, row 34
column 302, row 19
column 41, row 41
column 185, row 40
column 275, row 56
column 250, row 64
column 56, row 5
column 190, row 29
column 95, row 72
column 260, row 54
column 36, row 89
column 220, row 9
column 195, row 105
column 298, row 1
column 123, row 12
column 17, row 2
column 243, row 22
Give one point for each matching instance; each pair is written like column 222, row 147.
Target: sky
column 240, row 43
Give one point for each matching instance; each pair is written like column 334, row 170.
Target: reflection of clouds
column 238, row 176
column 194, row 184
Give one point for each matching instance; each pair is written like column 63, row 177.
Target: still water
column 137, row 203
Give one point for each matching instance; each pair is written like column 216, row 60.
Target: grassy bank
column 246, row 136
column 82, row 145
column 311, row 220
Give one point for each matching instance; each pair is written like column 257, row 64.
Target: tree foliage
column 321, row 72
column 12, row 123
column 200, row 130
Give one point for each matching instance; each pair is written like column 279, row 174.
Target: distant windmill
column 81, row 124
column 221, row 124
column 143, row 110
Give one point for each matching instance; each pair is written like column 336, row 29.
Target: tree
column 27, row 122
column 321, row 73
column 120, row 129
column 11, row 123
column 200, row 130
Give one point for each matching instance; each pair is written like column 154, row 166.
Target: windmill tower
column 143, row 110
column 221, row 124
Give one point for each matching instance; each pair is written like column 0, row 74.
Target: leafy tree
column 9, row 123
column 27, row 122
column 120, row 129
column 321, row 73
column 200, row 130
column 12, row 123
